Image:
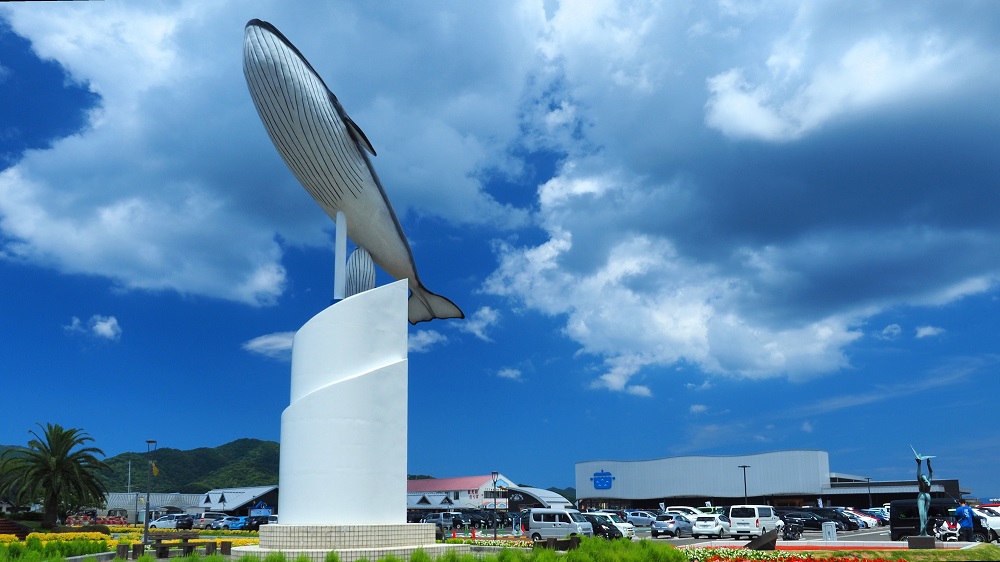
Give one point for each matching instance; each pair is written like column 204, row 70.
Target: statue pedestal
column 342, row 476
column 920, row 543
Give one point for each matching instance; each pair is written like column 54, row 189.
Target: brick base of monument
column 350, row 542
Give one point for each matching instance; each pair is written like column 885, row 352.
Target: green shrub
column 331, row 557
column 275, row 557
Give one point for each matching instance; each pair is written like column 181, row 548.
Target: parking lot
column 878, row 534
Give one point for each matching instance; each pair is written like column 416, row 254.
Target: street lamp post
column 744, row 467
column 870, row 504
column 149, row 482
column 496, row 502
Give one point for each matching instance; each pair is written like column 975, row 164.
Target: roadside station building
column 795, row 477
column 476, row 492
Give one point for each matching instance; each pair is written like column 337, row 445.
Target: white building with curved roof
column 793, row 477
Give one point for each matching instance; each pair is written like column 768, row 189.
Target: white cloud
column 890, row 332
column 103, row 327
column 705, row 385
column 509, row 373
column 806, row 427
column 276, row 346
column 173, row 183
column 106, row 327
column 791, row 102
column 479, row 322
column 422, row 341
column 929, row 331
column 698, row 409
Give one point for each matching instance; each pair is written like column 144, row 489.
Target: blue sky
column 688, row 228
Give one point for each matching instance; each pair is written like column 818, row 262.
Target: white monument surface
column 343, row 437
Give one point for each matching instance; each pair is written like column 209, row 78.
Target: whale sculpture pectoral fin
column 358, row 135
column 424, row 305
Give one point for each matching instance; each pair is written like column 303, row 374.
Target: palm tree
column 50, row 470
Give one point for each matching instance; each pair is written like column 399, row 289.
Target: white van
column 753, row 520
column 545, row 523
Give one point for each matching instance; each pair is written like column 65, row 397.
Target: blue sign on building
column 602, row 480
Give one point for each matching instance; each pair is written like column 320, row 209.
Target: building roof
column 548, row 498
column 449, row 484
column 227, row 499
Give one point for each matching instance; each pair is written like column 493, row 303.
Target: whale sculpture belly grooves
column 326, row 151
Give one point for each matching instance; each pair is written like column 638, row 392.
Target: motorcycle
column 946, row 530
column 792, row 531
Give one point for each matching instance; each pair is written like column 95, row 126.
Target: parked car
column 168, row 521
column 753, row 520
column 627, row 529
column 685, row 509
column 835, row 514
column 904, row 519
column 544, row 523
column 810, row 520
column 205, row 520
column 184, row 521
column 228, row 523
column 710, row 526
column 254, row 522
column 673, row 524
column 603, row 527
column 640, row 518
column 444, row 520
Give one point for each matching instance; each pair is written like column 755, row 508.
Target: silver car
column 673, row 524
column 639, row 518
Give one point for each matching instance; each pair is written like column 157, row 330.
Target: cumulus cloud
column 422, row 341
column 102, row 327
column 698, row 408
column 929, row 331
column 789, row 100
column 703, row 175
column 276, row 346
column 480, row 322
column 177, row 188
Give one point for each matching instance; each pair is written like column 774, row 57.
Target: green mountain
column 244, row 462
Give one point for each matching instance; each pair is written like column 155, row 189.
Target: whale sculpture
column 326, row 151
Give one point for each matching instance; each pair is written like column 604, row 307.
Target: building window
column 456, row 495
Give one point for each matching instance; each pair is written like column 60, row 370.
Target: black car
column 184, row 522
column 603, row 528
column 254, row 522
column 810, row 520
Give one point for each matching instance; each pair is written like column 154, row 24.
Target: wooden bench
column 186, row 545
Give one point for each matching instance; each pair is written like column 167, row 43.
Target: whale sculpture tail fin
column 424, row 305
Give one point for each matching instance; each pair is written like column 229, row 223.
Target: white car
column 627, row 529
column 640, row 518
column 685, row 510
column 165, row 521
column 710, row 526
column 992, row 517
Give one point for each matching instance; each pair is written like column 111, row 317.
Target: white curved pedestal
column 342, row 477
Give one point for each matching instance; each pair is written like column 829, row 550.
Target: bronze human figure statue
column 924, row 490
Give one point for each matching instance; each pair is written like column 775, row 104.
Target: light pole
column 744, row 467
column 149, row 482
column 870, row 504
column 496, row 502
